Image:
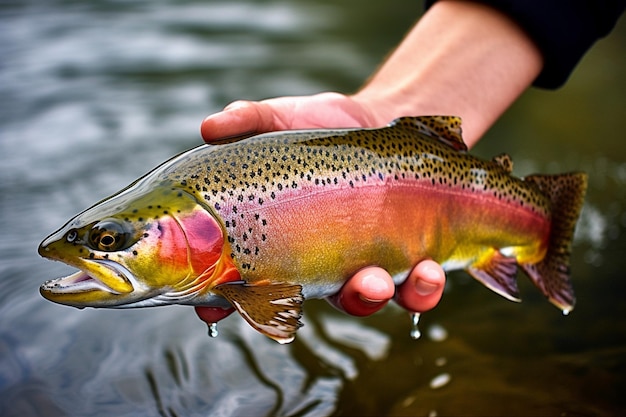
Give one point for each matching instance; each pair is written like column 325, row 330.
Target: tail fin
column 552, row 274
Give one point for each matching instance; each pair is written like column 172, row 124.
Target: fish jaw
column 98, row 283
column 118, row 288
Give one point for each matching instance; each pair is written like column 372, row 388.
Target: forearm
column 461, row 58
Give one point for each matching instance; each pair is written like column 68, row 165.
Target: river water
column 95, row 93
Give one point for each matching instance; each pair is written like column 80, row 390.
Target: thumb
column 237, row 119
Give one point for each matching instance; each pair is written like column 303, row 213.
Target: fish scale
column 265, row 222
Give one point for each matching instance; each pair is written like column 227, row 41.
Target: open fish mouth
column 79, row 281
column 97, row 283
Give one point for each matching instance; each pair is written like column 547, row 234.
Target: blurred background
column 95, row 93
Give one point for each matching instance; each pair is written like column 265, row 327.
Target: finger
column 423, row 288
column 238, row 118
column 365, row 293
column 211, row 315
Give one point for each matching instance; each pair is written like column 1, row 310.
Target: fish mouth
column 98, row 283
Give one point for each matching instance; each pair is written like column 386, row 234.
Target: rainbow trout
column 265, row 222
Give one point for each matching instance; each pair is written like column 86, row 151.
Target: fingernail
column 378, row 289
column 425, row 288
column 369, row 300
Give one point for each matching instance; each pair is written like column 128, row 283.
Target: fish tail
column 552, row 274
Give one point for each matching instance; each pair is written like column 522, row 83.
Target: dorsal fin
column 446, row 129
column 504, row 161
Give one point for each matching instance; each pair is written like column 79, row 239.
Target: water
column 93, row 94
column 415, row 321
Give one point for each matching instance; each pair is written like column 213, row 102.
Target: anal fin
column 273, row 309
column 498, row 273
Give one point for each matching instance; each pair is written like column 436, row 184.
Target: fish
column 263, row 223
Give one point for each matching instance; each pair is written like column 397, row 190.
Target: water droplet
column 566, row 311
column 440, row 381
column 415, row 331
column 437, row 333
column 212, row 329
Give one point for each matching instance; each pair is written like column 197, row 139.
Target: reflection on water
column 94, row 94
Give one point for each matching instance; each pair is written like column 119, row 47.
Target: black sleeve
column 562, row 29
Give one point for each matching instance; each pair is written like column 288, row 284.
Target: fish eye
column 108, row 235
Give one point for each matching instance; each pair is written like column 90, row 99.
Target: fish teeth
column 77, row 282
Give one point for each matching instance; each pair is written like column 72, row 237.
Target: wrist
column 462, row 59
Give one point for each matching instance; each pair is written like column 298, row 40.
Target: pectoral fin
column 273, row 309
column 498, row 273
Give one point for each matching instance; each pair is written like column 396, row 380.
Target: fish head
column 155, row 246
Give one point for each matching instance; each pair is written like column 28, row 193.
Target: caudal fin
column 552, row 274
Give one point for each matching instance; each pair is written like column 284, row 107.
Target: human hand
column 326, row 110
column 371, row 288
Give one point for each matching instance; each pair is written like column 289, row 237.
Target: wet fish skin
column 268, row 221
